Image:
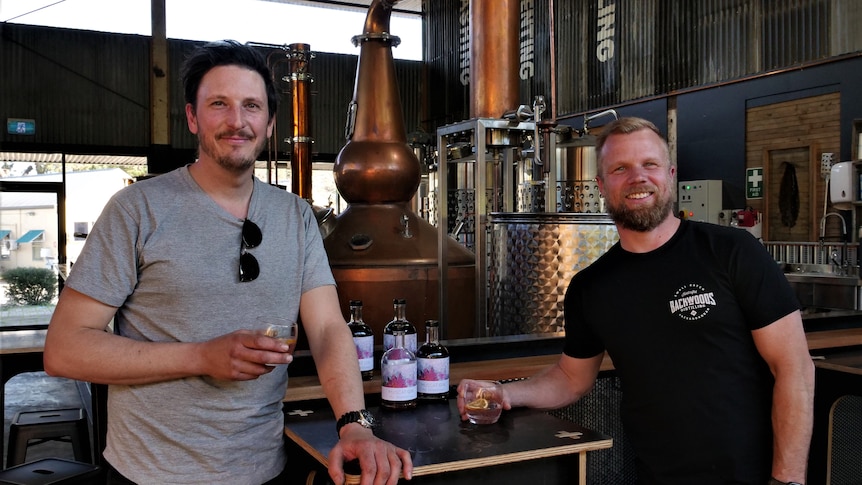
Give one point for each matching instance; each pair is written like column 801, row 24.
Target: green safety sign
column 754, row 183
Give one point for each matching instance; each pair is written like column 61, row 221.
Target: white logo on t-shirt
column 692, row 302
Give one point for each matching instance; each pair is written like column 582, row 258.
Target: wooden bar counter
column 307, row 387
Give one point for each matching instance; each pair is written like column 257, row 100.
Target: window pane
column 28, row 258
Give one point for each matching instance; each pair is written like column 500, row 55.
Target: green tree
column 30, row 286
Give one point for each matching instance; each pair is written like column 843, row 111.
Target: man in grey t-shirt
column 188, row 263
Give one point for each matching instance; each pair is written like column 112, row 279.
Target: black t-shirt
column 677, row 323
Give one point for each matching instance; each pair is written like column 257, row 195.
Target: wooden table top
column 22, row 341
column 850, row 363
column 439, row 441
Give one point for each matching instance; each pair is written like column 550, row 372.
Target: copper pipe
column 299, row 56
column 553, row 49
column 494, row 85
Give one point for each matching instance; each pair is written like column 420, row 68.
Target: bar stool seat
column 50, row 471
column 55, row 424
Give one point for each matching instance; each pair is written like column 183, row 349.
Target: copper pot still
column 379, row 249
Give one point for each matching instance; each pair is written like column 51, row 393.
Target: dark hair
column 624, row 126
column 226, row 53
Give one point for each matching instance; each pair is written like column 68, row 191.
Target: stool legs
column 49, row 425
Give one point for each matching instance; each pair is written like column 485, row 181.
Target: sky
column 266, row 22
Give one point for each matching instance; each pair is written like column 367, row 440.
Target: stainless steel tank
column 575, row 157
column 533, row 258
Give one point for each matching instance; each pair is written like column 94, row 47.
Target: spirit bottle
column 433, row 365
column 398, row 373
column 363, row 337
column 399, row 321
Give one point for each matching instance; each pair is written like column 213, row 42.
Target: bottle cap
column 355, row 302
column 432, row 323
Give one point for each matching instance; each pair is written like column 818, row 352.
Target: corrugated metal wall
column 609, row 53
column 82, row 88
column 630, row 50
column 89, row 92
column 88, row 89
column 447, row 54
column 447, row 60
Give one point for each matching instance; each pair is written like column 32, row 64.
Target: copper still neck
column 379, row 248
column 493, row 57
column 376, row 165
column 301, row 141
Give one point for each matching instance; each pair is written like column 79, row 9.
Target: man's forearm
column 96, row 356
column 792, row 420
column 338, row 369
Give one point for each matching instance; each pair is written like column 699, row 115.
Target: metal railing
column 814, row 252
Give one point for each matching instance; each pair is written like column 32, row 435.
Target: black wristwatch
column 775, row 481
column 363, row 417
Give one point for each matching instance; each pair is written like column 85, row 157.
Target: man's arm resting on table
column 334, row 353
column 558, row 385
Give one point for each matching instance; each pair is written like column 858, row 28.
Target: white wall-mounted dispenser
column 842, row 185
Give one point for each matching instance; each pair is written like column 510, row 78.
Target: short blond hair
column 624, row 126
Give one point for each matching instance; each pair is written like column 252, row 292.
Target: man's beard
column 642, row 219
column 236, row 164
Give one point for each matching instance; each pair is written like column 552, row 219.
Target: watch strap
column 363, row 417
column 775, row 481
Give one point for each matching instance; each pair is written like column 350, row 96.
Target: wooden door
column 780, row 221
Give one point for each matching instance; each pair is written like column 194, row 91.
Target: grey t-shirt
column 167, row 256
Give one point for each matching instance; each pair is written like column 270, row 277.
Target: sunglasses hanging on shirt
column 249, row 269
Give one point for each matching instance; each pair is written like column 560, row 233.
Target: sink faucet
column 842, row 264
column 823, row 225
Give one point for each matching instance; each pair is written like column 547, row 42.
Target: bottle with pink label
column 398, row 375
column 363, row 337
column 433, row 365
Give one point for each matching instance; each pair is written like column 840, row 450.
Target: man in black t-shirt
column 702, row 327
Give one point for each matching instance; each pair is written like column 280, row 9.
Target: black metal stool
column 55, row 424
column 53, row 471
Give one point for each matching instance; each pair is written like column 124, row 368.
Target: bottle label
column 409, row 341
column 433, row 376
column 399, row 382
column 365, row 352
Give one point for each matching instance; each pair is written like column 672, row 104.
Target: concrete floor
column 36, row 391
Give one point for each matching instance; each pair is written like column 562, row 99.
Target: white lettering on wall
column 605, row 31
column 527, row 38
column 464, row 42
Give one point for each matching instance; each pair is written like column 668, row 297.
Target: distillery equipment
column 379, row 248
column 574, row 173
column 516, row 190
column 494, row 176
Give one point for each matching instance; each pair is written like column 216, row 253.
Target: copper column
column 301, row 141
column 493, row 57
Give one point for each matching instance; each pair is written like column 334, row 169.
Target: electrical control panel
column 700, row 200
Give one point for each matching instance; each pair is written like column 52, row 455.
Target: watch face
column 366, row 418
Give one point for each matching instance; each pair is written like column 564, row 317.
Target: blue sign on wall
column 20, row 127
